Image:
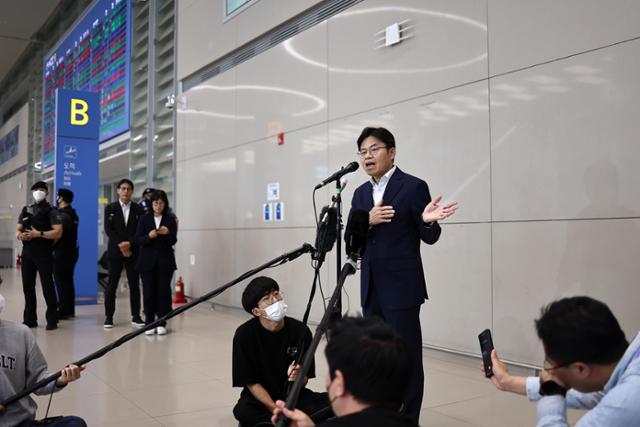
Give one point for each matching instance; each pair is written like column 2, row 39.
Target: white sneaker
column 150, row 331
column 162, row 330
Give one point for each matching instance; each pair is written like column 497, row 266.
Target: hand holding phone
column 486, row 347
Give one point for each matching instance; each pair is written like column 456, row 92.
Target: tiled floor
column 184, row 378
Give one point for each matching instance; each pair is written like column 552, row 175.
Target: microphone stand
column 336, row 312
column 292, row 400
column 289, row 256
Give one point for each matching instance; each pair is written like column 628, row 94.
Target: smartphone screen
column 486, row 346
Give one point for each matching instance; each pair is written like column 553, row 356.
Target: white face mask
column 1, row 303
column 39, row 195
column 276, row 311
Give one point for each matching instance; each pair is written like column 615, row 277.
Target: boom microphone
column 351, row 167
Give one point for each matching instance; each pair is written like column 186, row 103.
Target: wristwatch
column 41, row 233
column 552, row 388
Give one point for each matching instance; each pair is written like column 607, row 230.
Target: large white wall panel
column 279, row 93
column 206, row 117
column 298, row 165
column 565, row 138
column 458, row 273
column 207, row 191
column 203, row 36
column 448, row 48
column 266, row 14
column 215, row 256
column 537, row 262
column 524, row 33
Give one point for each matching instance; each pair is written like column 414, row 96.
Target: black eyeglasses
column 547, row 366
column 374, row 149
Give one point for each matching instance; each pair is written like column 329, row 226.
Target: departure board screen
column 94, row 56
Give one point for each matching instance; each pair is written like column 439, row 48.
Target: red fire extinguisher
column 179, row 298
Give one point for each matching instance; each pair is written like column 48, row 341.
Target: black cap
column 40, row 185
column 65, row 194
column 148, row 190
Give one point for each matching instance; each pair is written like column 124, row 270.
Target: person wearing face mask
column 65, row 255
column 265, row 349
column 157, row 234
column 368, row 373
column 22, row 364
column 39, row 225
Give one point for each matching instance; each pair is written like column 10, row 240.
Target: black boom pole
column 289, row 256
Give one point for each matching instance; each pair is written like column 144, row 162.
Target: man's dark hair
column 125, row 181
column 372, row 358
column 65, row 194
column 40, row 185
column 255, row 290
column 381, row 134
column 160, row 195
column 580, row 329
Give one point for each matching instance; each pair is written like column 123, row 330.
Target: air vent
column 284, row 31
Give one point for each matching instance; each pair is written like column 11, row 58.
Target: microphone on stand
column 355, row 235
column 351, row 167
column 327, row 227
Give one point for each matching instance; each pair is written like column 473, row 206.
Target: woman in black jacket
column 157, row 233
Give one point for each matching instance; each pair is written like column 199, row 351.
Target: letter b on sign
column 79, row 108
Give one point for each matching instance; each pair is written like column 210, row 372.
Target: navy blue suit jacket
column 391, row 261
column 157, row 253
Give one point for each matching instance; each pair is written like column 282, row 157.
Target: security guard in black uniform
column 65, row 255
column 39, row 225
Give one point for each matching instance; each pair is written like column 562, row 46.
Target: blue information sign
column 76, row 168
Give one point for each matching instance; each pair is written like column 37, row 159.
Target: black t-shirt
column 40, row 216
column 70, row 221
column 263, row 357
column 371, row 417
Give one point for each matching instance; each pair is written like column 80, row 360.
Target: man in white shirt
column 120, row 225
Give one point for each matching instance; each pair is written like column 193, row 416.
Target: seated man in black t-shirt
column 368, row 374
column 265, row 350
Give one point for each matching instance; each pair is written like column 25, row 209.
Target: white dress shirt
column 379, row 187
column 125, row 211
column 157, row 219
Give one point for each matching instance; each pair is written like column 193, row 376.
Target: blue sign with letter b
column 76, row 168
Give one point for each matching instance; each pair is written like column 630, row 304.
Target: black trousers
column 42, row 265
column 64, row 264
column 156, row 287
column 405, row 323
column 250, row 412
column 115, row 269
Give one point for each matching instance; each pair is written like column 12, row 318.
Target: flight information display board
column 94, row 56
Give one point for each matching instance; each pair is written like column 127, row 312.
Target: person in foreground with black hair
column 368, row 374
column 265, row 350
column 23, row 365
column 65, row 254
column 588, row 365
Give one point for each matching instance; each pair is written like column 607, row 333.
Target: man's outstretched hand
column 437, row 212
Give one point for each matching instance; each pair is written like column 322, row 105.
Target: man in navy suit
column 401, row 213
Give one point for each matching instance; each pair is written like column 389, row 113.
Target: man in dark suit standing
column 401, row 213
column 120, row 225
